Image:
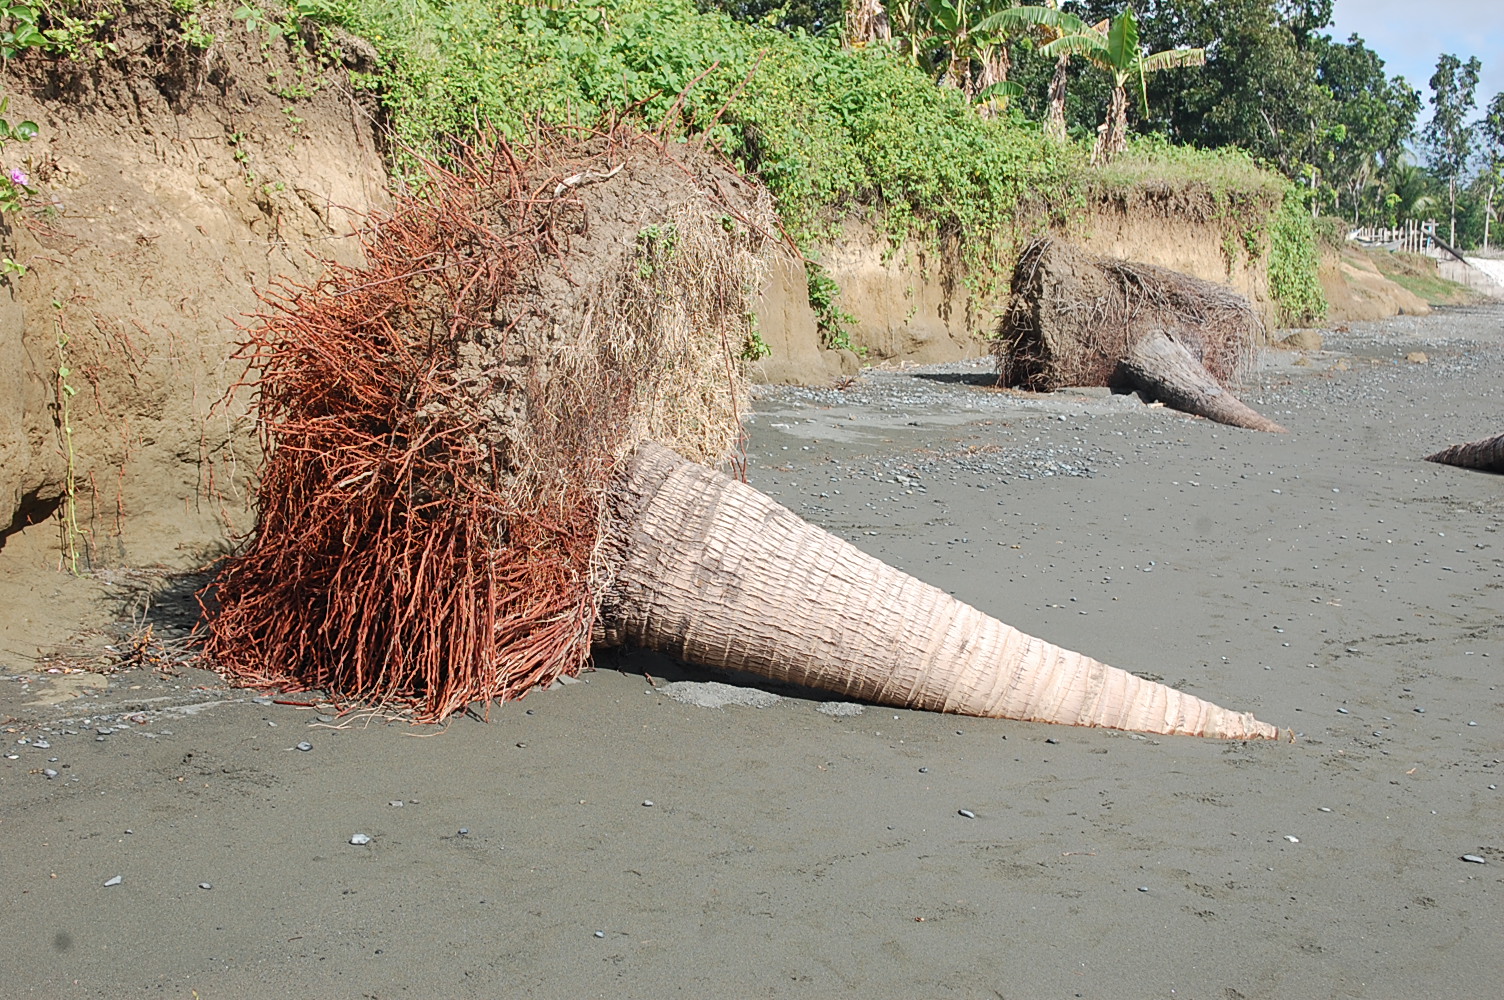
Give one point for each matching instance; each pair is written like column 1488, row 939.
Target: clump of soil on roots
column 1073, row 318
column 443, row 424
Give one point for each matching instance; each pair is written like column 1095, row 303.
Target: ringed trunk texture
column 1112, row 134
column 1487, row 455
column 1164, row 368
column 709, row 570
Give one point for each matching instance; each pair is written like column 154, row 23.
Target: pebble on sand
column 360, row 839
column 1471, row 858
column 113, row 881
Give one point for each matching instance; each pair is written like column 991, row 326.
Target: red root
column 400, row 554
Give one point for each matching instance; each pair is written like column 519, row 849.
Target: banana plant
column 1051, row 23
column 1117, row 52
column 955, row 33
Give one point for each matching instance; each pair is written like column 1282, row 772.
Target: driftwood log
column 1487, row 454
column 1078, row 319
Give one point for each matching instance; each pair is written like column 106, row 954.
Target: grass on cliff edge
column 1419, row 274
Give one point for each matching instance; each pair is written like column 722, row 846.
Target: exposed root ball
column 441, row 425
column 1074, row 316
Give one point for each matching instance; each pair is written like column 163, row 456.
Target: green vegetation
column 1118, row 53
column 833, row 322
column 1419, row 274
column 1292, row 265
column 828, row 130
column 65, row 394
column 18, row 31
column 832, row 130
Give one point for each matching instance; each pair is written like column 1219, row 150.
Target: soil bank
column 606, row 839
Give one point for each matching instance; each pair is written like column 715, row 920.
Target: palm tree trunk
column 1054, row 125
column 706, row 569
column 1112, row 137
column 1487, row 455
column 1162, row 367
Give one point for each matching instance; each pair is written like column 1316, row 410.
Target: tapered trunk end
column 711, row 571
column 1162, row 367
column 1486, row 455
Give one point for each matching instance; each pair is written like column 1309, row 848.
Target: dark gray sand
column 607, row 839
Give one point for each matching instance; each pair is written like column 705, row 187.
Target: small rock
column 600, row 934
column 1302, row 340
column 1471, row 858
column 395, row 803
column 113, row 881
column 1293, row 840
column 205, row 885
column 967, row 813
column 41, row 744
column 648, row 803
column 360, row 839
column 49, row 772
column 325, row 718
column 464, row 831
column 1143, row 888
column 305, row 746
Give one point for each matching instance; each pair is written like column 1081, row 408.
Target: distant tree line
column 1269, row 80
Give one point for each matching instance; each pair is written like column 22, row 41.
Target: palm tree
column 1117, row 52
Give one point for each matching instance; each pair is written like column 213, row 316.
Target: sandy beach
column 654, row 830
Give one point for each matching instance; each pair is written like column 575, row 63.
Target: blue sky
column 1409, row 36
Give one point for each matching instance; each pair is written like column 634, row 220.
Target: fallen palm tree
column 1487, row 454
column 1076, row 319
column 462, row 489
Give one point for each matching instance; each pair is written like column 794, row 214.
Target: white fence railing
column 1412, row 237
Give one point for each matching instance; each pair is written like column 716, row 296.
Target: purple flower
column 18, row 176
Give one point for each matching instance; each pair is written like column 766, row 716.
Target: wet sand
column 1327, row 580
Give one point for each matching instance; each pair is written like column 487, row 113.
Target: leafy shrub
column 1292, row 263
column 826, row 129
